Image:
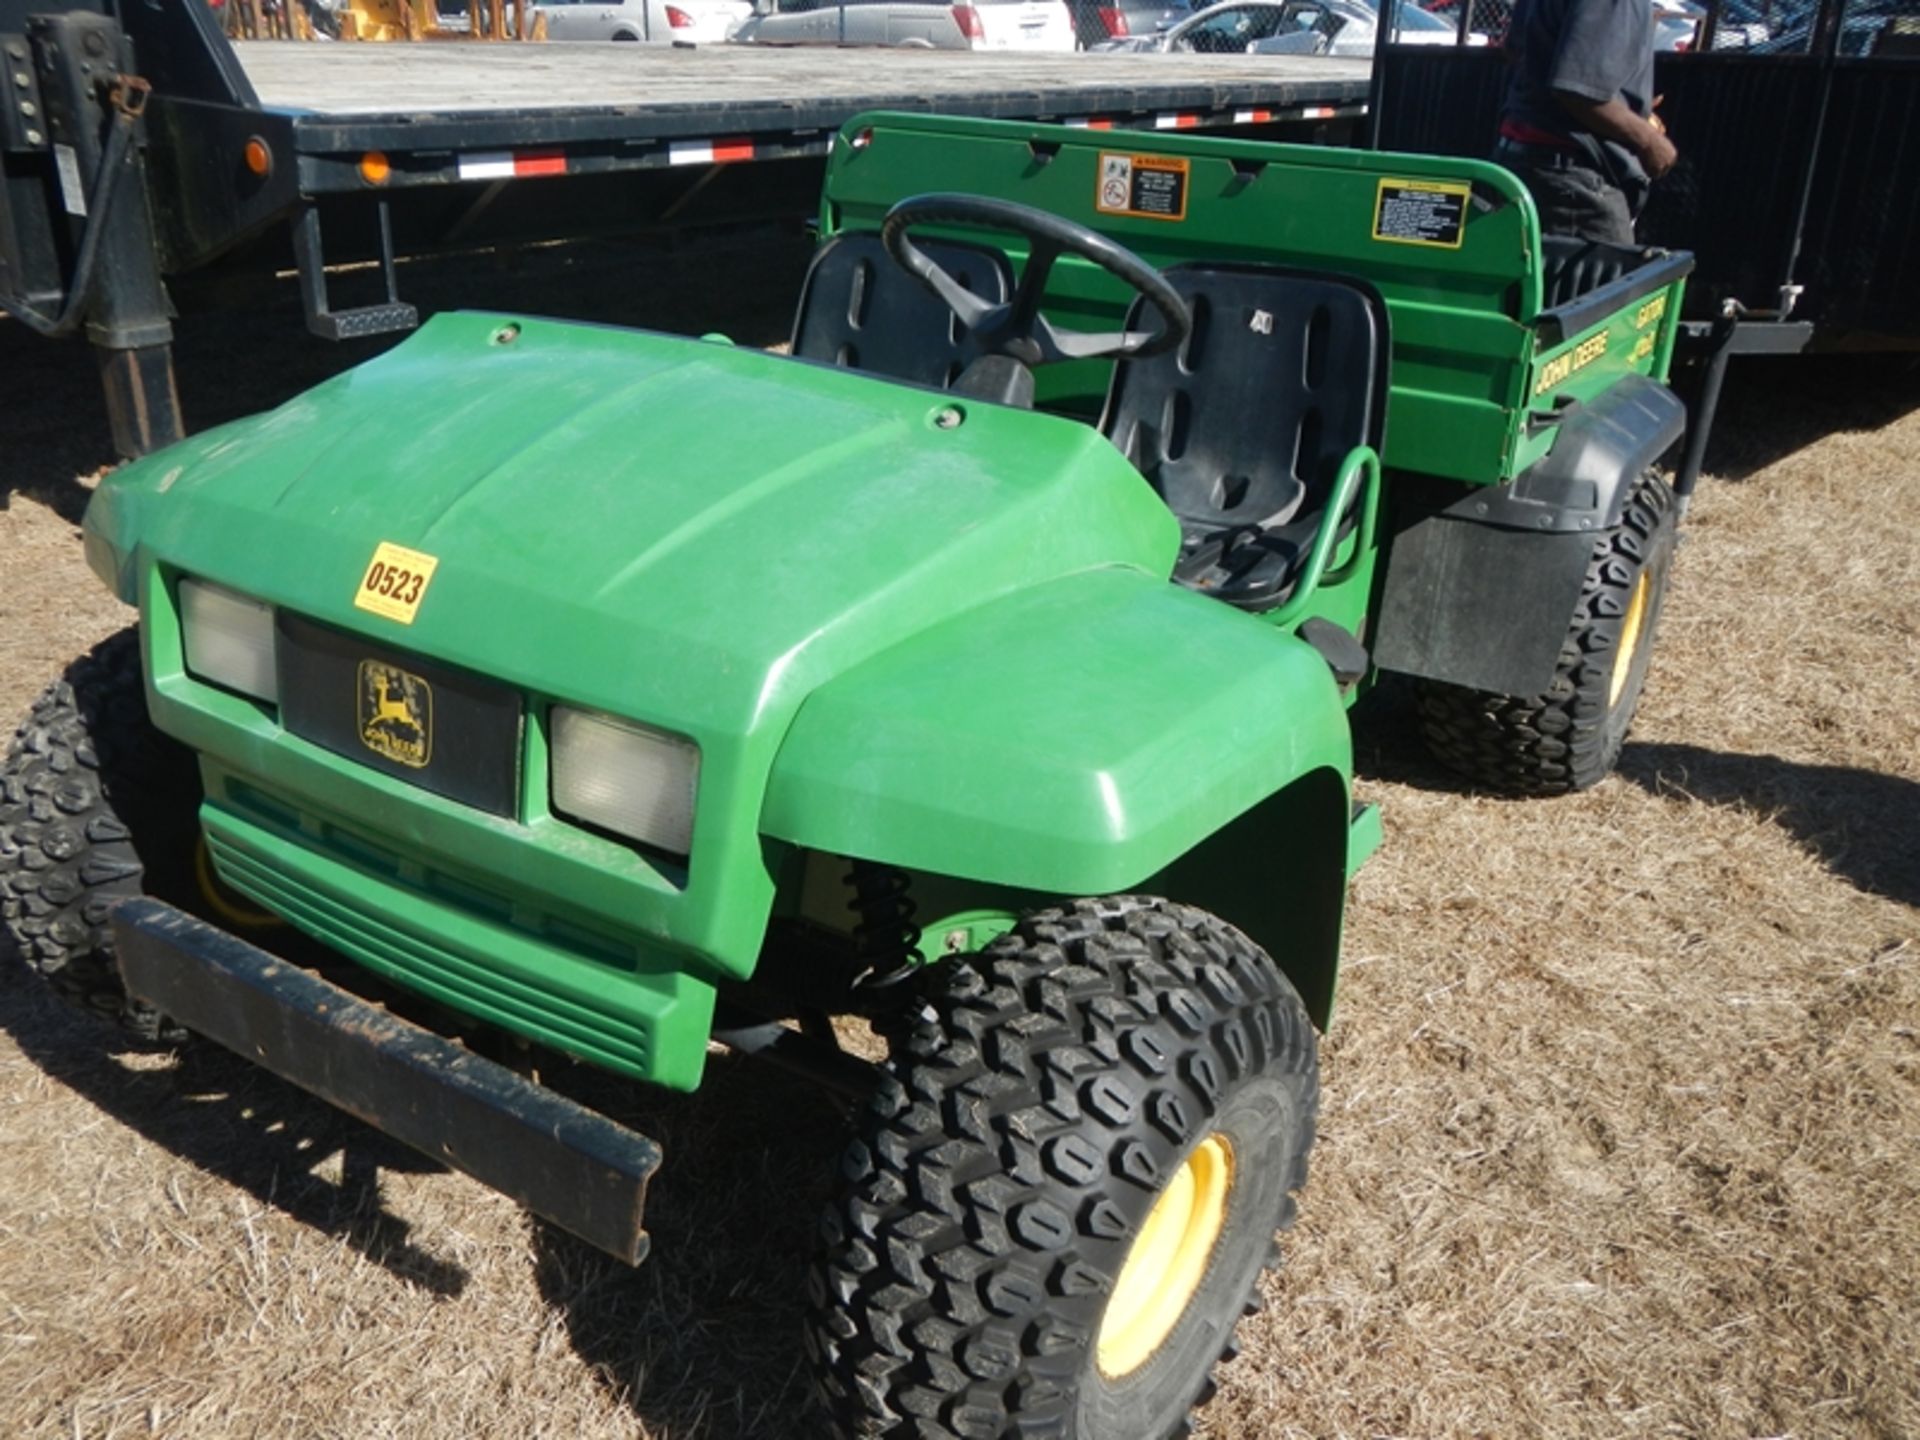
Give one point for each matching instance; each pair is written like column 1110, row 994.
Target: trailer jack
column 72, row 78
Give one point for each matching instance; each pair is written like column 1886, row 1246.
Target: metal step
column 356, row 322
column 363, row 320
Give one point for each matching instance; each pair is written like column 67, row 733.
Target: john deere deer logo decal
column 396, row 714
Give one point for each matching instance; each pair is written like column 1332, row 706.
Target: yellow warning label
column 1421, row 212
column 1153, row 187
column 395, row 582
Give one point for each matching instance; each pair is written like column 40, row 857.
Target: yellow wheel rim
column 224, row 902
column 1169, row 1259
column 1630, row 629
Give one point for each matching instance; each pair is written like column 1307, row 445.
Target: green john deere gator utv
column 982, row 667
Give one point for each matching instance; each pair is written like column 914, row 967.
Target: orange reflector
column 374, row 168
column 258, row 157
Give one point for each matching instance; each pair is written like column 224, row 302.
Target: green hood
column 678, row 531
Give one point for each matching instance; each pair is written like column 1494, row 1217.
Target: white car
column 918, row 24
column 1292, row 27
column 647, row 22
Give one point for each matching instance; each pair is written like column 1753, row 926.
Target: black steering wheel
column 1016, row 328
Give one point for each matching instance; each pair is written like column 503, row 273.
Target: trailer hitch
column 128, row 95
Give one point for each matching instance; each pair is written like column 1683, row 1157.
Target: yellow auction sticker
column 395, row 582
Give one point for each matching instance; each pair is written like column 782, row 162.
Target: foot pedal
column 1345, row 656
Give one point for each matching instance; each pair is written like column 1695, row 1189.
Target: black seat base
column 1243, row 428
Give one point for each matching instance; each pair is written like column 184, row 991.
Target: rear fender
column 1482, row 592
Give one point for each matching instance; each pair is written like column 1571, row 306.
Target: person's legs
column 1574, row 200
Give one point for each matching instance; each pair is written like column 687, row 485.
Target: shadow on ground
column 1774, row 405
column 1864, row 825
column 704, row 1339
column 235, row 1121
column 1388, row 746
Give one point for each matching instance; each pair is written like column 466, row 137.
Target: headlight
column 228, row 639
column 627, row 778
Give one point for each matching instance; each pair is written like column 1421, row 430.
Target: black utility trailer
column 1798, row 188
column 137, row 145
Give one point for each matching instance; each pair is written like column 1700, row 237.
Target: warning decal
column 73, row 191
column 1421, row 212
column 1151, row 186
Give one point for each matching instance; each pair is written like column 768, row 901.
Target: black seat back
column 1242, row 428
column 860, row 310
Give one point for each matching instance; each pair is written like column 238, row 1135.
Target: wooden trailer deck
column 345, row 98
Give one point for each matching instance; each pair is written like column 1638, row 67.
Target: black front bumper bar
column 559, row 1159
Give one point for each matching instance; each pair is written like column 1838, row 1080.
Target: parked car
column 1290, row 27
column 1095, row 21
column 1676, row 24
column 926, row 24
column 1865, row 25
column 649, row 22
column 1490, row 17
column 1674, row 32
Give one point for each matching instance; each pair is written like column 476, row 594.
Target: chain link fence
column 1860, row 29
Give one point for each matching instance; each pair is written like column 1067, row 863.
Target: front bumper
column 560, row 1160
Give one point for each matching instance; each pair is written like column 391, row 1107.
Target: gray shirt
column 1598, row 49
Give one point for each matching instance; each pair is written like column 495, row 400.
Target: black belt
column 1549, row 157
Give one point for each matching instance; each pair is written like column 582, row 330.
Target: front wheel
column 96, row 806
column 1569, row 737
column 1065, row 1189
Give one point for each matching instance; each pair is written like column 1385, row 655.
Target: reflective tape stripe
column 511, row 164
column 709, row 152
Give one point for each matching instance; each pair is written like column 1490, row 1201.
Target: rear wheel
column 96, row 806
column 1570, row 736
column 1066, row 1188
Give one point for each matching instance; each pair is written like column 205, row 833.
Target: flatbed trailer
column 140, row 146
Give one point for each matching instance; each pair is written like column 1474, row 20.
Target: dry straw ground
column 1622, row 1131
